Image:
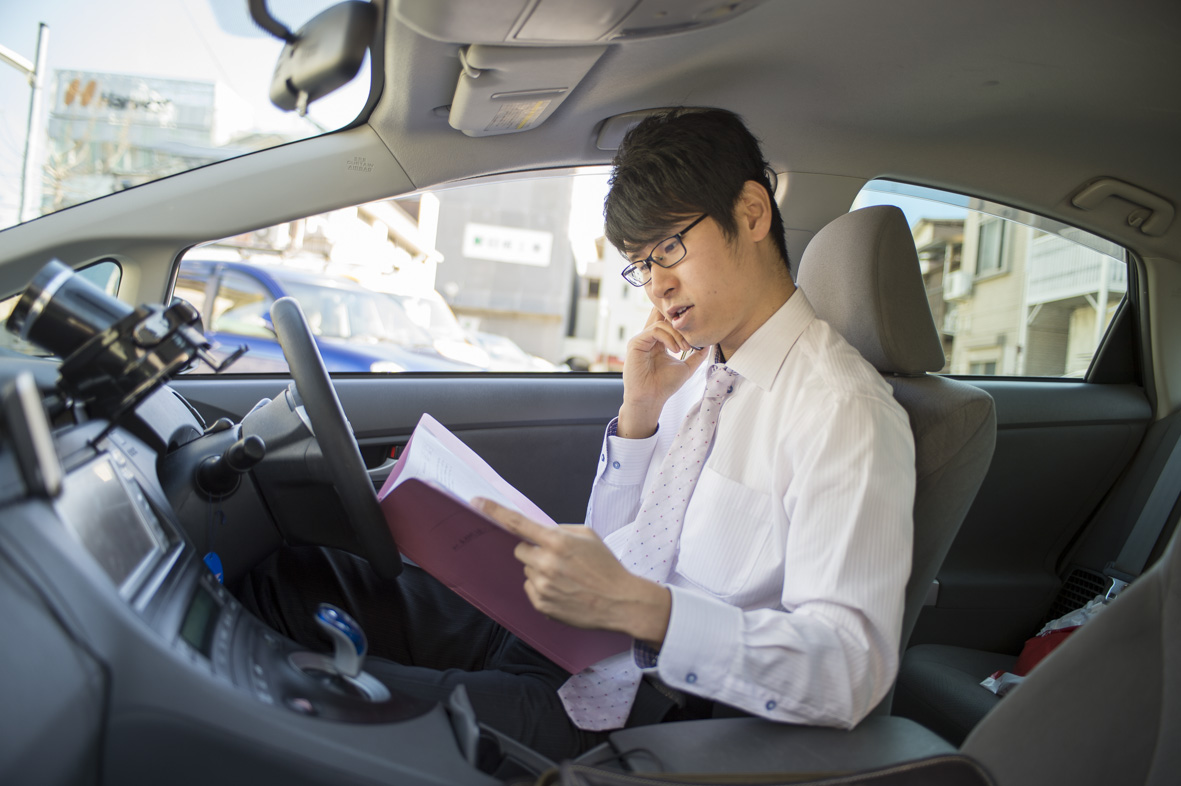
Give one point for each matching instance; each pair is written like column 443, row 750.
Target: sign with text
column 507, row 244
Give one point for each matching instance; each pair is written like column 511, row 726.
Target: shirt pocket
column 724, row 541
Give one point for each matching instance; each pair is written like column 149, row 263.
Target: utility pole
column 35, row 72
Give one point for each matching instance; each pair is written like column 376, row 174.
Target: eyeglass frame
column 649, row 261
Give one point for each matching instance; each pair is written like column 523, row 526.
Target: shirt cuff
column 699, row 647
column 645, row 655
column 624, row 462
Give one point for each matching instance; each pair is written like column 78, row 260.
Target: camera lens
column 61, row 311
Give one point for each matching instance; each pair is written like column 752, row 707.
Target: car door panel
column 1060, row 446
column 542, row 433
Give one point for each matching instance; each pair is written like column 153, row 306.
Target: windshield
column 172, row 86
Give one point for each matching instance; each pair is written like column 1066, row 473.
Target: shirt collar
column 762, row 355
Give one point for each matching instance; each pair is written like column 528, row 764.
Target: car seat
column 861, row 274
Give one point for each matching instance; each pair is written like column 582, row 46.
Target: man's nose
column 664, row 281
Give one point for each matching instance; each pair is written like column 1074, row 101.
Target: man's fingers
column 660, row 333
column 513, row 521
column 696, row 357
column 658, row 326
column 525, row 552
column 670, row 337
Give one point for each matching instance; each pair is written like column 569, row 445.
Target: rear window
column 1013, row 294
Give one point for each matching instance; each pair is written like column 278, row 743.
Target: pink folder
column 473, row 555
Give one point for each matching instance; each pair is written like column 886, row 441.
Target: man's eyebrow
column 640, row 249
column 634, row 253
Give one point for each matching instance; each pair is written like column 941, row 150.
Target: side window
column 241, row 306
column 509, row 276
column 105, row 274
column 1013, row 294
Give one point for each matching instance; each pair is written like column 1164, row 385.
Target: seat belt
column 1153, row 518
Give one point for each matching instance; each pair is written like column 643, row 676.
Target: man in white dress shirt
column 786, row 597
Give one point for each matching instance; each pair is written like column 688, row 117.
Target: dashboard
column 129, row 661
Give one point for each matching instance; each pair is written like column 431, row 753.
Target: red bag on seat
column 1039, row 647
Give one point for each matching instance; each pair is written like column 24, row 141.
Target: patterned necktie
column 601, row 697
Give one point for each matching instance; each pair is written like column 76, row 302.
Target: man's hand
column 651, row 374
column 573, row 577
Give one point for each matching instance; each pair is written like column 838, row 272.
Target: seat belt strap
column 1153, row 518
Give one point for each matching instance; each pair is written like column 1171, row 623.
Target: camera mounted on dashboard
column 113, row 355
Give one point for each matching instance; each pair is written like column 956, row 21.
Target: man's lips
column 674, row 314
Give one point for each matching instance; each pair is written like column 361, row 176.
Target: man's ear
column 754, row 210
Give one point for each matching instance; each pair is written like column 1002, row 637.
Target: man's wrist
column 637, row 422
column 649, row 612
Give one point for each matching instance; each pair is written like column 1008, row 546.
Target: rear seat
column 939, row 685
column 1105, row 707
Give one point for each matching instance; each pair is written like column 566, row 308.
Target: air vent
column 1080, row 588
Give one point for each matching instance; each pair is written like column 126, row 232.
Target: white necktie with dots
column 601, row 696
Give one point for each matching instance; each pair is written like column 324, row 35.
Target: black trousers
column 424, row 640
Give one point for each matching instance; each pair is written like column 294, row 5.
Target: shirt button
column 603, row 457
column 690, row 678
column 770, row 705
column 615, row 464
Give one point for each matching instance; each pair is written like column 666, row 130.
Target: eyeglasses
column 667, row 253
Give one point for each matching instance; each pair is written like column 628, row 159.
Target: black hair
column 679, row 164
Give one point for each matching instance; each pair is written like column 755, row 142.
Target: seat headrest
column 861, row 274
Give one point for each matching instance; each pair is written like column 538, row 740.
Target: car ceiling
column 1016, row 101
column 840, row 91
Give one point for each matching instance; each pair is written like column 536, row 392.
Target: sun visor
column 505, row 89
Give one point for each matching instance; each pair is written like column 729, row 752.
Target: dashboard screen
column 107, row 515
column 200, row 621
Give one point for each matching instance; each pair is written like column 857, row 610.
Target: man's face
column 717, row 294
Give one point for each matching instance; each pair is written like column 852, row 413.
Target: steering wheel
column 335, row 438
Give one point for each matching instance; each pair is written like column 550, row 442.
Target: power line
column 209, row 49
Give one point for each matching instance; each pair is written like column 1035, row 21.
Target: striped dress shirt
column 787, row 593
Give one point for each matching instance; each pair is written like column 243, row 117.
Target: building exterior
column 108, row 132
column 1014, row 300
column 940, row 245
column 1072, row 293
column 509, row 243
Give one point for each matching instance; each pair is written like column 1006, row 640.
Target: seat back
column 1105, row 707
column 861, row 273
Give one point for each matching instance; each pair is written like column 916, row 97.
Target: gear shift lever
column 348, row 639
column 342, row 672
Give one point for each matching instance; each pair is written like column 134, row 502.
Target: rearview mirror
column 324, row 54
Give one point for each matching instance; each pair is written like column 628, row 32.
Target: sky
column 208, row 40
column 914, row 207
